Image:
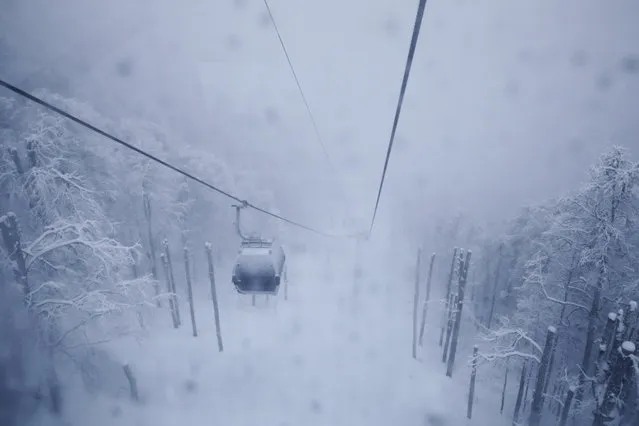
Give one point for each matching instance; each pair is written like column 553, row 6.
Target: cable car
column 260, row 263
column 259, row 267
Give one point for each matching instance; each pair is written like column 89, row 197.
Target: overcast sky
column 508, row 101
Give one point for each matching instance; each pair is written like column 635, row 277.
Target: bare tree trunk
column 631, row 320
column 447, row 299
column 134, row 270
column 427, row 299
column 133, row 384
column 176, row 301
column 567, row 286
column 134, row 265
column 528, row 380
column 565, row 410
column 169, row 287
column 590, row 338
column 520, row 393
column 10, row 230
column 559, row 394
column 550, row 365
column 622, row 371
column 152, row 255
column 34, row 194
column 452, row 305
column 189, row 289
column 449, row 327
column 216, row 311
column 538, row 396
column 609, row 333
column 617, row 337
column 32, row 155
column 15, row 156
column 416, row 302
column 463, row 275
column 503, row 389
column 495, row 287
column 48, row 333
column 471, row 390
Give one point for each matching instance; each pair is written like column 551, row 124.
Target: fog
column 508, row 102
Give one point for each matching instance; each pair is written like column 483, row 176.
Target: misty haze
column 319, row 213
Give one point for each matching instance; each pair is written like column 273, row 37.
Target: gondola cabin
column 259, row 267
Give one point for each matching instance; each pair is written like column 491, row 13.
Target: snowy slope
column 319, row 358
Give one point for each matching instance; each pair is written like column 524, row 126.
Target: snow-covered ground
column 319, row 358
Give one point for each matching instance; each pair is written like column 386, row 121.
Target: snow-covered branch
column 559, row 301
column 507, row 342
column 90, row 305
column 492, row 357
column 537, row 277
column 517, row 334
column 580, row 291
column 85, row 234
column 94, row 302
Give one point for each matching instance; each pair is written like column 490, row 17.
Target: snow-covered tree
column 570, row 262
